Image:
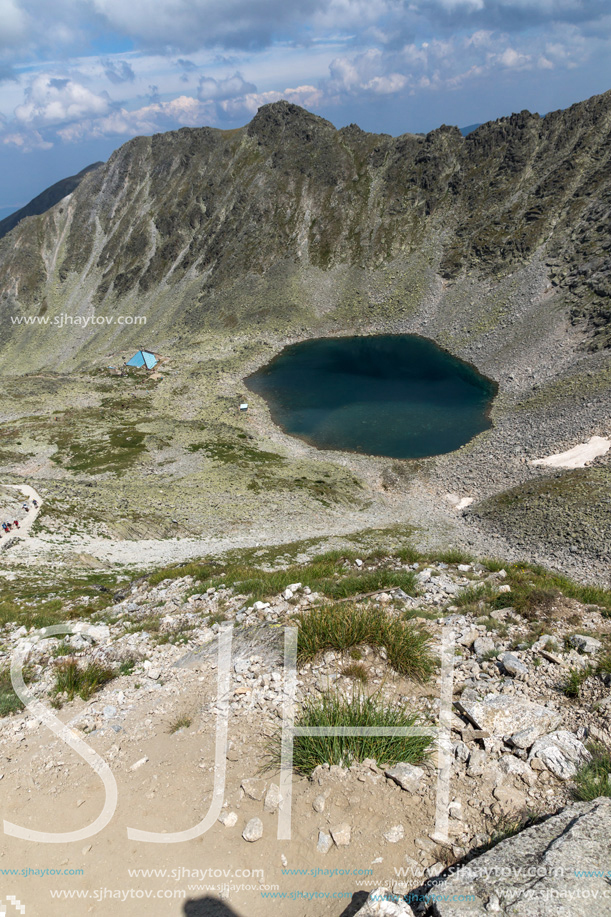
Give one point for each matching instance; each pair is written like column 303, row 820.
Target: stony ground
column 516, row 740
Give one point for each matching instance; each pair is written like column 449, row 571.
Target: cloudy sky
column 79, row 77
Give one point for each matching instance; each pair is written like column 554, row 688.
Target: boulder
column 505, row 715
column 585, row 644
column 483, row 645
column 557, row 867
column 561, row 752
column 513, row 665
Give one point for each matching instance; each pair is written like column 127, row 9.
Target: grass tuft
column 594, row 778
column 572, row 686
column 343, row 627
column 337, row 711
column 357, row 671
column 72, row 679
column 181, row 722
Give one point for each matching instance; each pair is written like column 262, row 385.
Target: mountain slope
column 182, row 226
column 46, row 199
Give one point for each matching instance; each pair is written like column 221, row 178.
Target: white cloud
column 26, row 141
column 514, row 60
column 53, row 100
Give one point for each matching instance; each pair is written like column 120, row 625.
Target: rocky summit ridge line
column 185, row 224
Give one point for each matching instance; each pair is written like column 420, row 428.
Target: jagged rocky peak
column 208, row 208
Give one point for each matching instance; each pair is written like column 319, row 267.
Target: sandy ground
column 579, row 456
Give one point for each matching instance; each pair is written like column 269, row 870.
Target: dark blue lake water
column 399, row 396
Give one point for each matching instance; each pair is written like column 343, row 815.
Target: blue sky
column 80, row 77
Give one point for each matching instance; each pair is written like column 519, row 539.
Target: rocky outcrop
column 558, row 867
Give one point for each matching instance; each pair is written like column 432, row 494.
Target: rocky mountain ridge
column 183, row 223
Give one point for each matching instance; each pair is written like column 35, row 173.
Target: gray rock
column 469, row 637
column 525, row 738
column 505, row 715
column 253, row 830
column 324, row 842
column 477, row 762
column 483, row 645
column 461, row 751
column 535, row 870
column 319, row 804
column 515, row 767
column 383, row 903
column 561, row 752
column 512, row 665
column 586, row 644
column 408, row 776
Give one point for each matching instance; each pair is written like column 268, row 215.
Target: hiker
column 16, row 523
column 35, row 502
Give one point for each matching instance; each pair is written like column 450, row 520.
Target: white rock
column 561, row 752
column 254, row 787
column 504, row 715
column 394, row 834
column 229, row 819
column 253, row 830
column 341, row 835
column 273, row 799
column 319, row 804
column 408, row 776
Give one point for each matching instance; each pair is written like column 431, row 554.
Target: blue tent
column 143, row 358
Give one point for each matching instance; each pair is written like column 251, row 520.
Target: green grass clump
column 9, row 702
column 328, row 573
column 337, row 711
column 604, row 665
column 594, row 778
column 128, row 665
column 72, row 679
column 527, row 579
column 480, row 592
column 343, row 627
column 572, row 686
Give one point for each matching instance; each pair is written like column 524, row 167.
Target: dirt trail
column 26, row 520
